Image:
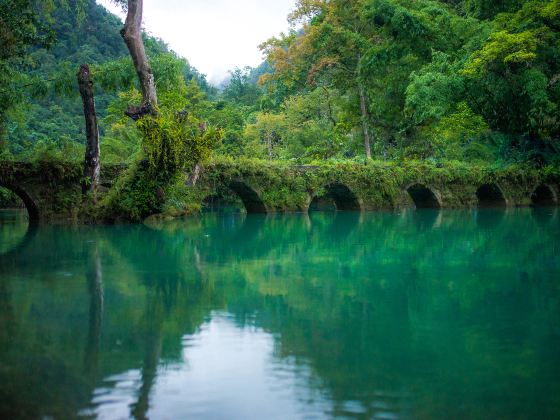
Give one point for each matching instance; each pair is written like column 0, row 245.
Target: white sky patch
column 215, row 35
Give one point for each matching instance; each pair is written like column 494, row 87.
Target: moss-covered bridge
column 51, row 190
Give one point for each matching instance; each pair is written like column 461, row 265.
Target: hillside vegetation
column 462, row 80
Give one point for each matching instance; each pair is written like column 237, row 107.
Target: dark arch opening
column 335, row 197
column 490, row 195
column 30, row 206
column 423, row 197
column 543, row 196
column 249, row 197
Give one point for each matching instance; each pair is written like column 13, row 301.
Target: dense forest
column 393, row 79
column 457, row 80
column 47, row 117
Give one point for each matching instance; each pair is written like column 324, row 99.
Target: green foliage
column 242, row 88
column 135, row 196
column 456, row 135
column 8, row 199
column 423, row 64
column 50, row 109
column 442, row 82
column 20, row 27
column 173, row 143
column 502, row 49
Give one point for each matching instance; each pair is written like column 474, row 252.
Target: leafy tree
column 265, row 135
column 241, row 89
column 330, row 51
column 20, row 27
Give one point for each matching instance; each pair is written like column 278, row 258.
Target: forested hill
column 57, row 120
column 430, row 80
column 54, row 122
column 422, row 79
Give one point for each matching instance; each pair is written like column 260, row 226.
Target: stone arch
column 250, row 198
column 544, row 195
column 490, row 195
column 342, row 198
column 423, row 197
column 32, row 209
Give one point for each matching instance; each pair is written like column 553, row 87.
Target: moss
column 134, row 196
column 281, row 186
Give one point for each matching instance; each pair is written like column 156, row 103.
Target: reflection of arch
column 543, row 216
column 30, row 205
column 423, row 197
column 249, row 196
column 490, row 195
column 543, row 196
column 32, row 229
column 339, row 194
column 489, row 218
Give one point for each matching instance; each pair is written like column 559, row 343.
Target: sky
column 215, row 35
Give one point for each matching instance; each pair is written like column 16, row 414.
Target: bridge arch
column 30, row 205
column 490, row 195
column 251, row 199
column 424, row 197
column 339, row 195
column 544, row 195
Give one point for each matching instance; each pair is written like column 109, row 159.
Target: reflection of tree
column 7, row 318
column 372, row 306
column 372, row 313
column 13, row 228
column 153, row 321
column 94, row 276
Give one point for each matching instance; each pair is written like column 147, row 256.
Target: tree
column 20, row 27
column 241, row 89
column 266, row 132
column 92, row 160
column 330, row 49
column 132, row 35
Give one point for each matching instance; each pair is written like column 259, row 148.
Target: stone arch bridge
column 51, row 190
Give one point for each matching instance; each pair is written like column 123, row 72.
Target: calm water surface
column 424, row 314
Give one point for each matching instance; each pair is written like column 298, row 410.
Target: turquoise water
column 452, row 314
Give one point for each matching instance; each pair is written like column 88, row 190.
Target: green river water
column 417, row 314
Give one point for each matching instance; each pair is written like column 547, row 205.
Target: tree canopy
column 466, row 80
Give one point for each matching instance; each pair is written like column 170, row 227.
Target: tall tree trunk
column 365, row 120
column 92, row 160
column 132, row 35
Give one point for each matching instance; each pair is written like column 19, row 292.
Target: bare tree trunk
column 92, row 160
column 365, row 121
column 132, row 35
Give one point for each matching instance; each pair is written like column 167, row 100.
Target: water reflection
column 94, row 279
column 15, row 230
column 415, row 314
